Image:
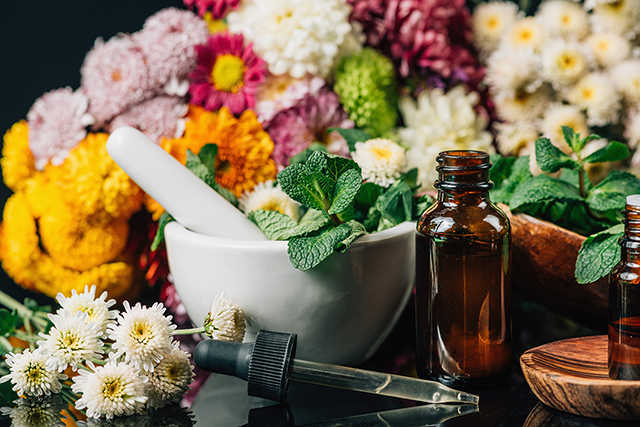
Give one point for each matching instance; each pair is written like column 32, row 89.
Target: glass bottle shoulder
column 452, row 218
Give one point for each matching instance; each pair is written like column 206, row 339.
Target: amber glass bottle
column 463, row 278
column 624, row 300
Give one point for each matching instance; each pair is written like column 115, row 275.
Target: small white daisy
column 524, row 106
column 513, row 137
column 112, row 390
column 525, row 33
column 382, row 160
column 632, row 127
column 225, row 321
column 490, row 21
column 564, row 62
column 511, row 70
column 30, row 375
column 71, row 341
column 621, row 17
column 170, row 379
column 608, row 48
column 268, row 197
column 626, row 77
column 558, row 115
column 143, row 335
column 596, row 94
column 97, row 309
column 565, row 19
column 36, row 411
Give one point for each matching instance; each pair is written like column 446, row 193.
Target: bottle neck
column 463, row 177
column 630, row 242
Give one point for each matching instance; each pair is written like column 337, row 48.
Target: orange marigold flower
column 244, row 148
column 17, row 161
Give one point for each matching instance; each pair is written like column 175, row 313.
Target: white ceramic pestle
column 187, row 198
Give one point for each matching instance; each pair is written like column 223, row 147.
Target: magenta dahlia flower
column 228, row 74
column 218, row 8
column 294, row 129
column 168, row 40
column 57, row 123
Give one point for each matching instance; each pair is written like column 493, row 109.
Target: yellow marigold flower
column 41, row 194
column 121, row 279
column 244, row 148
column 153, row 207
column 93, row 182
column 80, row 242
column 19, row 248
column 17, row 161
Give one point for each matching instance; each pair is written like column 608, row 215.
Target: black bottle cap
column 264, row 364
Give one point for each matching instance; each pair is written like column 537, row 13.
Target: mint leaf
column 348, row 214
column 571, row 138
column 385, row 224
column 207, row 156
column 518, row 174
column 501, row 168
column 336, row 166
column 312, row 215
column 8, row 322
column 612, row 152
column 311, row 189
column 195, row 165
column 611, row 192
column 357, row 230
column 307, row 252
column 542, row 188
column 351, row 136
column 396, row 204
column 411, row 178
column 570, row 176
column 165, row 219
column 372, row 219
column 599, row 254
column 368, row 194
column 550, row 159
column 345, row 191
column 278, row 226
column 422, row 205
column 316, row 162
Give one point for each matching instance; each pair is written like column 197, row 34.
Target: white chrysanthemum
column 112, row 390
column 564, row 62
column 608, row 48
column 525, row 33
column 97, row 309
column 71, row 341
column 513, row 137
column 490, row 21
column 621, row 17
column 596, row 94
column 523, row 106
column 563, row 18
column 30, row 375
column 382, row 160
column 143, row 335
column 626, row 77
column 632, row 128
column 170, row 380
column 36, row 411
column 268, row 197
column 225, row 321
column 558, row 115
column 511, row 70
column 294, row 36
column 438, row 122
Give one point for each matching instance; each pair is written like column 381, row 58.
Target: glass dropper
column 268, row 365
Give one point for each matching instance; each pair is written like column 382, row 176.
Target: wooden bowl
column 544, row 259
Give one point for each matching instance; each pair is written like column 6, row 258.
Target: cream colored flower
column 36, row 411
column 438, row 122
column 97, row 309
column 382, row 160
column 558, row 115
column 513, row 137
column 523, row 106
column 170, row 379
column 490, row 21
column 525, row 33
column 620, row 16
column 626, row 77
column 563, row 63
column 225, row 321
column 30, row 376
column 609, row 48
column 632, row 127
column 268, row 197
column 511, row 70
column 596, row 94
column 563, row 18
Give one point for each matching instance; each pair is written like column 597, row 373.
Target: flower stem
column 5, row 342
column 188, row 331
column 99, row 362
column 12, row 304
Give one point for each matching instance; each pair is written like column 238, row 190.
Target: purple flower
column 168, row 39
column 115, row 77
column 57, row 122
column 294, row 129
column 159, row 117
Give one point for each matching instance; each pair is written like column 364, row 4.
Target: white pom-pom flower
column 596, row 94
column 511, row 70
column 382, row 160
column 97, row 309
column 30, row 376
column 170, row 379
column 513, row 137
column 225, row 321
column 564, row 62
column 558, row 115
column 268, row 197
column 563, row 18
column 608, row 49
column 620, row 16
column 525, row 33
column 524, row 105
column 490, row 21
column 626, row 77
column 143, row 335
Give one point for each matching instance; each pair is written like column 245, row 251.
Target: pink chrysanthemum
column 218, row 8
column 114, row 77
column 57, row 123
column 228, row 74
column 159, row 117
column 295, row 128
column 168, row 39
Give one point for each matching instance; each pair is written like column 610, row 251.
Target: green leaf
column 368, row 194
column 195, row 165
column 7, row 395
column 599, row 254
column 570, row 176
column 411, row 178
column 571, row 138
column 519, row 173
column 357, row 230
column 207, row 155
column 612, row 152
column 278, row 226
column 501, row 168
column 348, row 214
column 351, row 136
column 385, row 224
column 165, row 219
column 396, row 204
column 543, row 188
column 336, row 166
column 313, row 215
column 345, row 191
column 550, row 159
column 372, row 220
column 8, row 322
column 311, row 189
column 307, row 252
column 304, row 155
column 583, row 142
column 423, row 203
column 317, row 162
column 611, row 192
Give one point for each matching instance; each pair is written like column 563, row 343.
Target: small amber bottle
column 463, row 278
column 624, row 300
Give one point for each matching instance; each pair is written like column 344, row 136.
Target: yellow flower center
column 113, row 389
column 173, row 372
column 381, row 153
column 522, row 96
column 524, row 35
column 493, row 22
column 587, row 94
column 615, row 6
column 228, row 73
column 273, row 205
column 603, row 45
column 214, row 25
column 35, row 373
column 280, row 18
column 37, row 416
column 568, row 61
column 69, row 341
column 141, row 332
column 565, row 19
